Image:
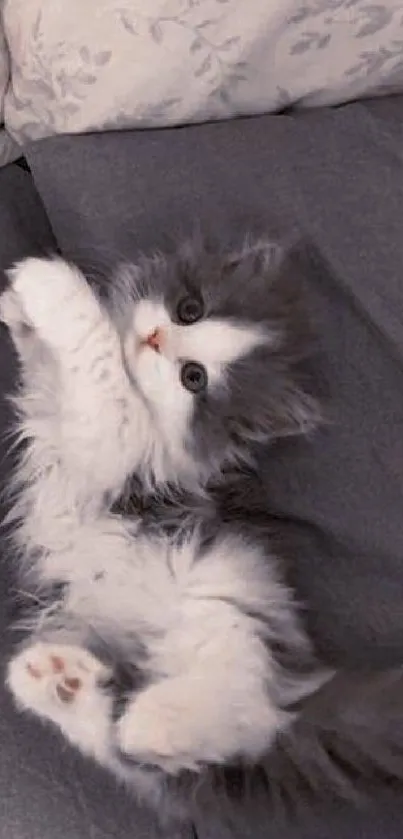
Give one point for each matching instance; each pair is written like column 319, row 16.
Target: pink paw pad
column 67, row 676
column 51, row 676
column 68, row 686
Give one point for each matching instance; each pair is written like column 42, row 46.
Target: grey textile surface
column 334, row 177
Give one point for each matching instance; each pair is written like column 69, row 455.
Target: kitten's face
column 210, row 342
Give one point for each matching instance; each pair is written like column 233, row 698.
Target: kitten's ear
column 260, row 254
column 292, row 413
column 296, row 413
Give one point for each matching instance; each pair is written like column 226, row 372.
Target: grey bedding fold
column 334, row 179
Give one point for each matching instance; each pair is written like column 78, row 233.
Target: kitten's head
column 212, row 342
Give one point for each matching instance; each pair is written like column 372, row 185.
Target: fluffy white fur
column 86, row 429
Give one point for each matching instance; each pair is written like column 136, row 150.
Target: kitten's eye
column 194, row 376
column 190, row 309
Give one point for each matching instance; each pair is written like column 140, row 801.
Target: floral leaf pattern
column 9, row 150
column 4, row 71
column 126, row 64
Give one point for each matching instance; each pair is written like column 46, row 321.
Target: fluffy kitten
column 169, row 646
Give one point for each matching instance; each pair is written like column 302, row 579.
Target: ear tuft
column 291, row 412
column 261, row 255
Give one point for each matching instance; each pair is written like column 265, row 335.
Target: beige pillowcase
column 8, row 149
column 88, row 65
column 4, row 70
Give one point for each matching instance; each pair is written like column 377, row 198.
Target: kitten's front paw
column 21, row 330
column 41, row 294
column 157, row 730
column 12, row 313
column 55, row 298
column 52, row 678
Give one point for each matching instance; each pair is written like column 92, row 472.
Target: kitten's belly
column 172, row 598
column 119, row 579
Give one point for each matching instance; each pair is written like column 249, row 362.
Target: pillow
column 8, row 149
column 4, row 71
column 119, row 63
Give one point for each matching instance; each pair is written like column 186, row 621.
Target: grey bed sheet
column 335, row 180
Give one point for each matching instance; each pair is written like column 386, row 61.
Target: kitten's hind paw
column 65, row 684
column 179, row 724
column 155, row 730
column 45, row 676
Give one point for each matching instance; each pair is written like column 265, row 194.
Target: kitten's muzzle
column 153, row 340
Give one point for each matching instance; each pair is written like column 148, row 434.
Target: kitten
column 168, row 645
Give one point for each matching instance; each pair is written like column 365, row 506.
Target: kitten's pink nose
column 154, row 340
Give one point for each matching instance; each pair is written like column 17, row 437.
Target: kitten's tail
column 346, row 743
column 347, row 740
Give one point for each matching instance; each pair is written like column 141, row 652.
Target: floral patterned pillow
column 80, row 66
column 8, row 149
column 4, row 71
column 4, row 75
